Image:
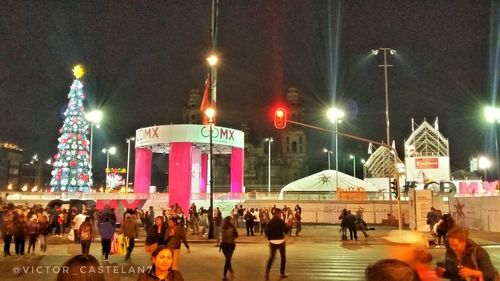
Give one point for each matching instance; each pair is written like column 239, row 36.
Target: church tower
column 191, row 113
column 293, row 141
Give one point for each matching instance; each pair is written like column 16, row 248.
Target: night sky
column 143, row 57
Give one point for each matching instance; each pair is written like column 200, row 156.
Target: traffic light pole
column 400, row 222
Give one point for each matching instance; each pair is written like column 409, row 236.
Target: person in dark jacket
column 44, row 230
column 107, row 231
column 156, row 233
column 20, row 232
column 350, row 222
column 276, row 230
column 249, row 221
column 465, row 259
column 162, row 258
column 229, row 235
column 7, row 232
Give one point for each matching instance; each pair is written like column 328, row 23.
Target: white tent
column 325, row 181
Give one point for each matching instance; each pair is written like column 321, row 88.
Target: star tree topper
column 78, row 71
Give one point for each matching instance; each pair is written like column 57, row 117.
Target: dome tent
column 325, row 181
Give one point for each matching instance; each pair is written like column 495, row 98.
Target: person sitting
column 162, row 258
column 465, row 259
column 390, row 270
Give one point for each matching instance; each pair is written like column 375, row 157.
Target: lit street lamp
column 128, row 140
column 94, row 117
column 108, row 151
column 269, row 141
column 484, row 164
column 492, row 115
column 335, row 116
column 328, row 152
column 353, row 157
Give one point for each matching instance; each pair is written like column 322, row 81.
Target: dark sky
column 143, row 57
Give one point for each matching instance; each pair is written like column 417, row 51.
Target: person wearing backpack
column 85, row 234
column 229, row 235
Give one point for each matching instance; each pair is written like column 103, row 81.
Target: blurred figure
column 463, row 256
column 162, row 258
column 432, row 218
column 85, row 234
column 107, row 231
column 129, row 229
column 32, row 234
column 20, row 232
column 298, row 223
column 7, row 232
column 156, row 234
column 44, row 231
column 349, row 221
column 174, row 236
column 421, row 262
column 249, row 221
column 442, row 227
column 228, row 245
column 81, row 268
column 390, row 270
column 343, row 228
column 360, row 223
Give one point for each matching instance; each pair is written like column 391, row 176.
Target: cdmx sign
column 220, row 133
column 147, row 133
column 450, row 188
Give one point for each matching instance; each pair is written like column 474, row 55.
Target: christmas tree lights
column 72, row 168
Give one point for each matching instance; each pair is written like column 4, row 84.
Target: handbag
column 150, row 248
column 71, row 234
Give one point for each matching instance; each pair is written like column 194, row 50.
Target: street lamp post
column 484, row 164
column 108, row 151
column 353, row 157
column 492, row 115
column 94, row 117
column 269, row 141
column 335, row 116
column 328, row 152
column 128, row 140
column 210, row 114
column 385, row 66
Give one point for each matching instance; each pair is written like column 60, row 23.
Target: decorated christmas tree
column 72, row 171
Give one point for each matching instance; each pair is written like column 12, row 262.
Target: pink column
column 142, row 174
column 237, row 160
column 179, row 175
column 203, row 177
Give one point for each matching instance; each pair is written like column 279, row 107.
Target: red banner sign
column 427, row 163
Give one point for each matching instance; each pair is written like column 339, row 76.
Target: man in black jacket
column 275, row 233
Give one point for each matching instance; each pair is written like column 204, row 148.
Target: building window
column 294, row 147
column 287, row 139
column 300, row 139
column 287, row 148
column 300, row 149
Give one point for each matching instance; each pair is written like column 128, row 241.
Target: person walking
column 442, row 227
column 85, row 234
column 298, row 223
column 360, row 223
column 276, row 230
column 129, row 229
column 350, row 222
column 343, row 227
column 229, row 235
column 107, row 231
column 174, row 236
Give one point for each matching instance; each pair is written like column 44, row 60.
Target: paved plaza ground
column 318, row 254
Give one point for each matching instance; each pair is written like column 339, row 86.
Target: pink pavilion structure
column 188, row 147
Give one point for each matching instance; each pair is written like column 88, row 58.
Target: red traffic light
column 280, row 118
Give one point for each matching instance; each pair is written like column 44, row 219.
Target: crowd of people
column 168, row 231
